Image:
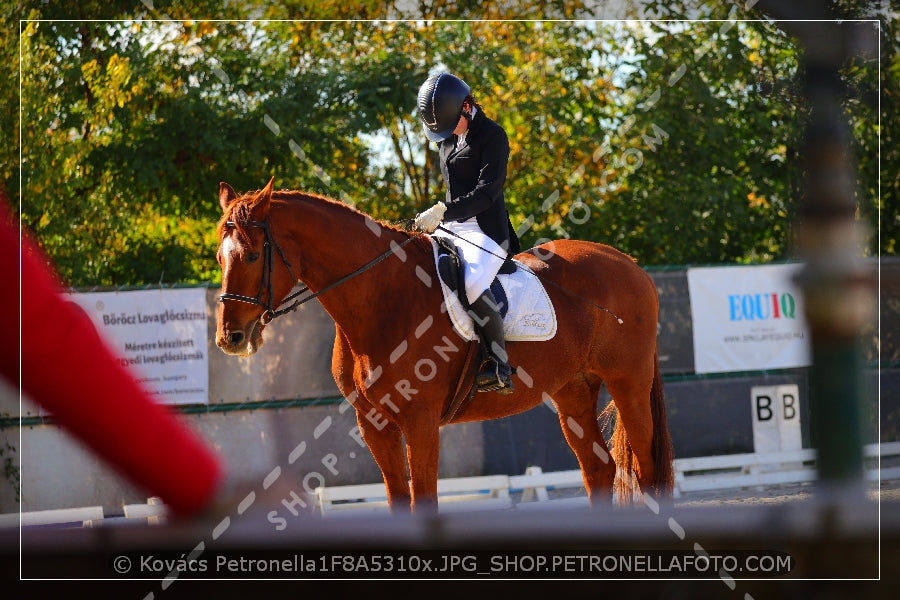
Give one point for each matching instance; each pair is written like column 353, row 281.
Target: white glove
column 429, row 220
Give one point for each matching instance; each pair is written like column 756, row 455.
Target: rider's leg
column 482, row 258
column 496, row 374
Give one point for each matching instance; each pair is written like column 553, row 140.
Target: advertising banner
column 747, row 318
column 160, row 334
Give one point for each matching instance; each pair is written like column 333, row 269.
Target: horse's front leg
column 423, row 445
column 385, row 442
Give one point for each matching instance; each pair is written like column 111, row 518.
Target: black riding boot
column 495, row 374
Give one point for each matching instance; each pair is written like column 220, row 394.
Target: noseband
column 266, row 283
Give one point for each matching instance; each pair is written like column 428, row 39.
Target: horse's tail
column 661, row 447
column 626, row 484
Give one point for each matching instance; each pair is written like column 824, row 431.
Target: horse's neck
column 336, row 241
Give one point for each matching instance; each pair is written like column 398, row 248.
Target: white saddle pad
column 530, row 317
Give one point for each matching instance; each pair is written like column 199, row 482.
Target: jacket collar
column 474, row 126
column 476, row 122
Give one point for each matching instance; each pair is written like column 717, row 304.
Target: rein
column 266, row 283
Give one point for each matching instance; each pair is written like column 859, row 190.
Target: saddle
column 525, row 307
column 527, row 312
column 451, row 271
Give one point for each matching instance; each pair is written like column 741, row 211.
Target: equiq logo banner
column 747, row 318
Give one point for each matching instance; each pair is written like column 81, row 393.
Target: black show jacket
column 474, row 176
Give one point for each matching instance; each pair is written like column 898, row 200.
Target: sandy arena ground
column 889, row 491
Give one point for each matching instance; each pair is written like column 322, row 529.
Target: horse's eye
column 252, row 257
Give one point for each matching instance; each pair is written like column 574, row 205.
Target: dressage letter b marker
column 776, row 418
column 789, row 409
column 763, row 408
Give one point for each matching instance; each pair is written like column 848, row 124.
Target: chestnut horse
column 401, row 364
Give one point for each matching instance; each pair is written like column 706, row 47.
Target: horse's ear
column 226, row 195
column 261, row 204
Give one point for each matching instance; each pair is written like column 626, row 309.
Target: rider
column 473, row 154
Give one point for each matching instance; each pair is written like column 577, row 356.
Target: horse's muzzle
column 241, row 342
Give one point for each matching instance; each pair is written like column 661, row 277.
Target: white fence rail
column 731, row 471
column 152, row 513
column 530, row 491
column 74, row 517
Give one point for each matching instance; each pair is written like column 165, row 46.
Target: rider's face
column 463, row 123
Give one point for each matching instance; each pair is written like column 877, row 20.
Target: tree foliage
column 707, row 152
column 675, row 141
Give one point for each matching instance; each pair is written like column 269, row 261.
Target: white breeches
column 482, row 257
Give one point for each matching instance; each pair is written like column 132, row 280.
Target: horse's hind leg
column 576, row 404
column 632, row 399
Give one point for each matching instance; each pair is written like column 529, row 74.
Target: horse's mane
column 240, row 210
column 302, row 195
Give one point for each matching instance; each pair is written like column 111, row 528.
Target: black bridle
column 266, row 283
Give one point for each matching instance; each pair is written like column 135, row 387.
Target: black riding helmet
column 440, row 104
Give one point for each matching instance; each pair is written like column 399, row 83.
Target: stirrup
column 493, row 381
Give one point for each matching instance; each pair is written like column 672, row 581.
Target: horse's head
column 254, row 278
